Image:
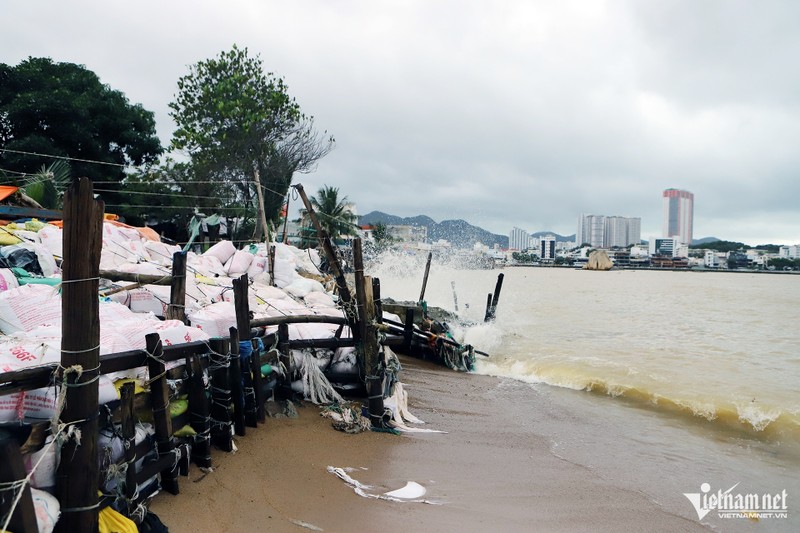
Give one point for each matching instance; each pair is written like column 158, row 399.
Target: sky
column 505, row 113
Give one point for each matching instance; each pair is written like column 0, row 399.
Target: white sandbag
column 259, row 265
column 174, row 332
column 238, row 263
column 27, row 236
column 44, row 477
column 307, row 259
column 312, row 331
column 40, row 405
column 265, row 292
column 10, row 404
column 223, row 250
column 282, row 307
column 7, row 280
column 50, row 237
column 205, row 265
column 147, row 269
column 43, row 256
column 285, row 265
column 318, row 299
column 148, row 299
column 47, row 510
column 160, row 252
column 302, row 286
column 24, row 308
column 20, row 352
column 215, row 320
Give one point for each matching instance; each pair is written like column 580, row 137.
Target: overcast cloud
column 504, row 113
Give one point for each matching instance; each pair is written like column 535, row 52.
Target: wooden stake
column 159, row 400
column 199, row 416
column 242, row 306
column 78, row 478
column 491, row 310
column 177, row 295
column 126, row 394
column 219, row 366
column 333, row 260
column 235, row 377
column 11, row 470
column 425, row 278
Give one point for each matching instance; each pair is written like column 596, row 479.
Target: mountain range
column 459, row 233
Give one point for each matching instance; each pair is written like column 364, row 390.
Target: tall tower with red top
column 678, row 214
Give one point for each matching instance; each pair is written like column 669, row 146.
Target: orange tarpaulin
column 6, row 191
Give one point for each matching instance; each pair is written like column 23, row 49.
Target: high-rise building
column 601, row 231
column 519, row 239
column 678, row 215
column 547, row 249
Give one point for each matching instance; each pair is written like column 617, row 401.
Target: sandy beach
column 486, row 473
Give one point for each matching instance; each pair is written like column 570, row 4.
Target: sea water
column 666, row 380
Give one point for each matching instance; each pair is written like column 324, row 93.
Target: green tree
column 334, row 214
column 62, row 109
column 240, row 125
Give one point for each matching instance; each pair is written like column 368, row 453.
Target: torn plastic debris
column 411, row 493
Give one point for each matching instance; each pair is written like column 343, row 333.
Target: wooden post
column 408, row 329
column 492, row 308
column 199, row 417
column 425, row 278
column 78, row 478
column 272, row 265
column 455, row 297
column 11, row 470
column 255, row 370
column 126, row 394
column 374, row 369
column 285, row 351
column 219, row 366
column 159, row 400
column 235, row 377
column 177, row 295
column 486, row 317
column 376, row 293
column 358, row 266
column 242, row 306
column 333, row 260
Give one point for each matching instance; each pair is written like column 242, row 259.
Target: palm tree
column 335, row 215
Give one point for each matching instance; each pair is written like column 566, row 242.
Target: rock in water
column 598, row 260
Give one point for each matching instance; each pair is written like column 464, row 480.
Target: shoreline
column 487, row 471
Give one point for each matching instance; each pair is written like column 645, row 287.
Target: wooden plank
column 12, row 211
column 425, row 278
column 142, row 279
column 297, row 319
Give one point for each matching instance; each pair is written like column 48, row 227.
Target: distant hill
column 458, row 232
column 704, row 240
column 559, row 238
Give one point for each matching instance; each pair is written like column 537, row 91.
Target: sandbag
column 257, row 266
column 215, row 319
column 223, row 250
column 7, row 280
column 238, row 263
column 47, row 509
column 29, row 306
column 160, row 252
column 50, row 237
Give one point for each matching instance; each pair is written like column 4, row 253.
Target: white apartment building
column 601, row 231
column 519, row 239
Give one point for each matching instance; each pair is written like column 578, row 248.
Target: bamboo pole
column 425, row 278
column 374, row 368
column 177, row 296
column 142, row 279
column 78, row 479
column 258, row 391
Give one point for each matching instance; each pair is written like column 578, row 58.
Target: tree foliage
column 720, row 246
column 62, row 109
column 240, row 126
column 334, row 213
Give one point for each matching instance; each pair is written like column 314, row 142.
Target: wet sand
column 488, row 472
